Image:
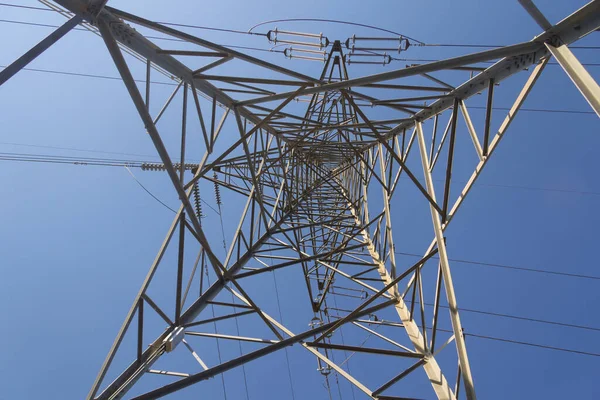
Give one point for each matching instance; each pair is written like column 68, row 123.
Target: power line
column 523, row 343
column 79, row 159
column 380, row 321
column 583, row 192
column 511, row 267
column 52, row 159
column 492, row 46
column 147, row 191
column 230, row 46
column 541, row 321
column 160, row 201
column 211, row 28
column 86, row 161
column 113, row 78
column 517, row 317
column 163, row 23
column 76, row 149
column 481, row 62
column 542, row 346
column 510, row 341
column 533, row 188
column 10, row 21
column 26, row 7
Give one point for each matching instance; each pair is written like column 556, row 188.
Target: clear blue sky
column 78, row 240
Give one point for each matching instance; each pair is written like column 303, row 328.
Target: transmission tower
column 320, row 174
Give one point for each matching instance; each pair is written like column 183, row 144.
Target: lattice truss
column 320, row 165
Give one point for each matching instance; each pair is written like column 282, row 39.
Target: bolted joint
column 174, row 339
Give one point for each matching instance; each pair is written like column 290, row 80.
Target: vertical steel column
column 388, row 217
column 450, row 159
column 148, row 70
column 180, row 256
column 140, row 338
column 488, row 117
column 445, row 265
column 578, row 74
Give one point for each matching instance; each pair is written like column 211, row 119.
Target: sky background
column 77, row 240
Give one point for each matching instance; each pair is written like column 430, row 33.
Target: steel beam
column 581, row 78
column 445, row 266
column 536, row 14
column 38, row 49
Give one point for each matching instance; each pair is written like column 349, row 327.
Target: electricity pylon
column 318, row 183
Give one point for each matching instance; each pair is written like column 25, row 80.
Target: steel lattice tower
column 319, row 190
